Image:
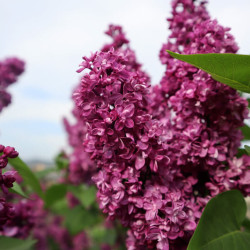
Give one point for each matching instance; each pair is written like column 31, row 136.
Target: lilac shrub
column 162, row 152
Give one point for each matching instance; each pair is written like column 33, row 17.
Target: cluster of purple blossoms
column 161, row 153
column 7, row 210
column 81, row 168
column 17, row 215
column 49, row 228
column 10, row 69
column 205, row 115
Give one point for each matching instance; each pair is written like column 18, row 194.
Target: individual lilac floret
column 7, row 178
column 10, row 69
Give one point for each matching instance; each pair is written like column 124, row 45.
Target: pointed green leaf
column 54, row 193
column 241, row 151
column 28, row 176
column 60, row 207
column 18, row 190
column 230, row 69
column 247, row 148
column 8, row 243
column 86, row 195
column 246, row 225
column 100, row 234
column 61, row 161
column 78, row 219
column 220, row 224
column 246, row 132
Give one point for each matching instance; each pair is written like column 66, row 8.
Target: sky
column 52, row 36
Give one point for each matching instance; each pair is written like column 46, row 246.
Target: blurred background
column 52, row 36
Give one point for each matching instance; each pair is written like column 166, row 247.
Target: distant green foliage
column 55, row 193
column 29, row 178
column 85, row 194
column 18, row 190
column 247, row 148
column 61, row 161
column 246, row 132
column 78, row 219
column 7, row 243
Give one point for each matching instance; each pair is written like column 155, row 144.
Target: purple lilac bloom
column 17, row 216
column 49, row 228
column 23, row 221
column 7, row 210
column 10, row 69
column 127, row 146
column 161, row 153
column 80, row 241
column 81, row 168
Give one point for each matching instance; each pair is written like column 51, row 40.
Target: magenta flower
column 10, row 69
column 160, row 153
column 152, row 208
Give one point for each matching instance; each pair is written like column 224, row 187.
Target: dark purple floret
column 10, row 69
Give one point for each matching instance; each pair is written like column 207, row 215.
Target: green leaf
column 78, row 219
column 8, row 243
column 220, row 224
column 61, row 161
column 43, row 173
column 18, row 190
column 28, row 176
column 230, row 69
column 102, row 235
column 53, row 245
column 246, row 132
column 241, row 151
column 246, row 225
column 86, row 195
column 248, row 102
column 54, row 193
column 60, row 207
column 247, row 148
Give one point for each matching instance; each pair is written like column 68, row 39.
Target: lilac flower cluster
column 30, row 218
column 7, row 210
column 17, row 215
column 206, row 115
column 81, row 168
column 52, row 230
column 10, row 69
column 127, row 145
column 161, row 153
